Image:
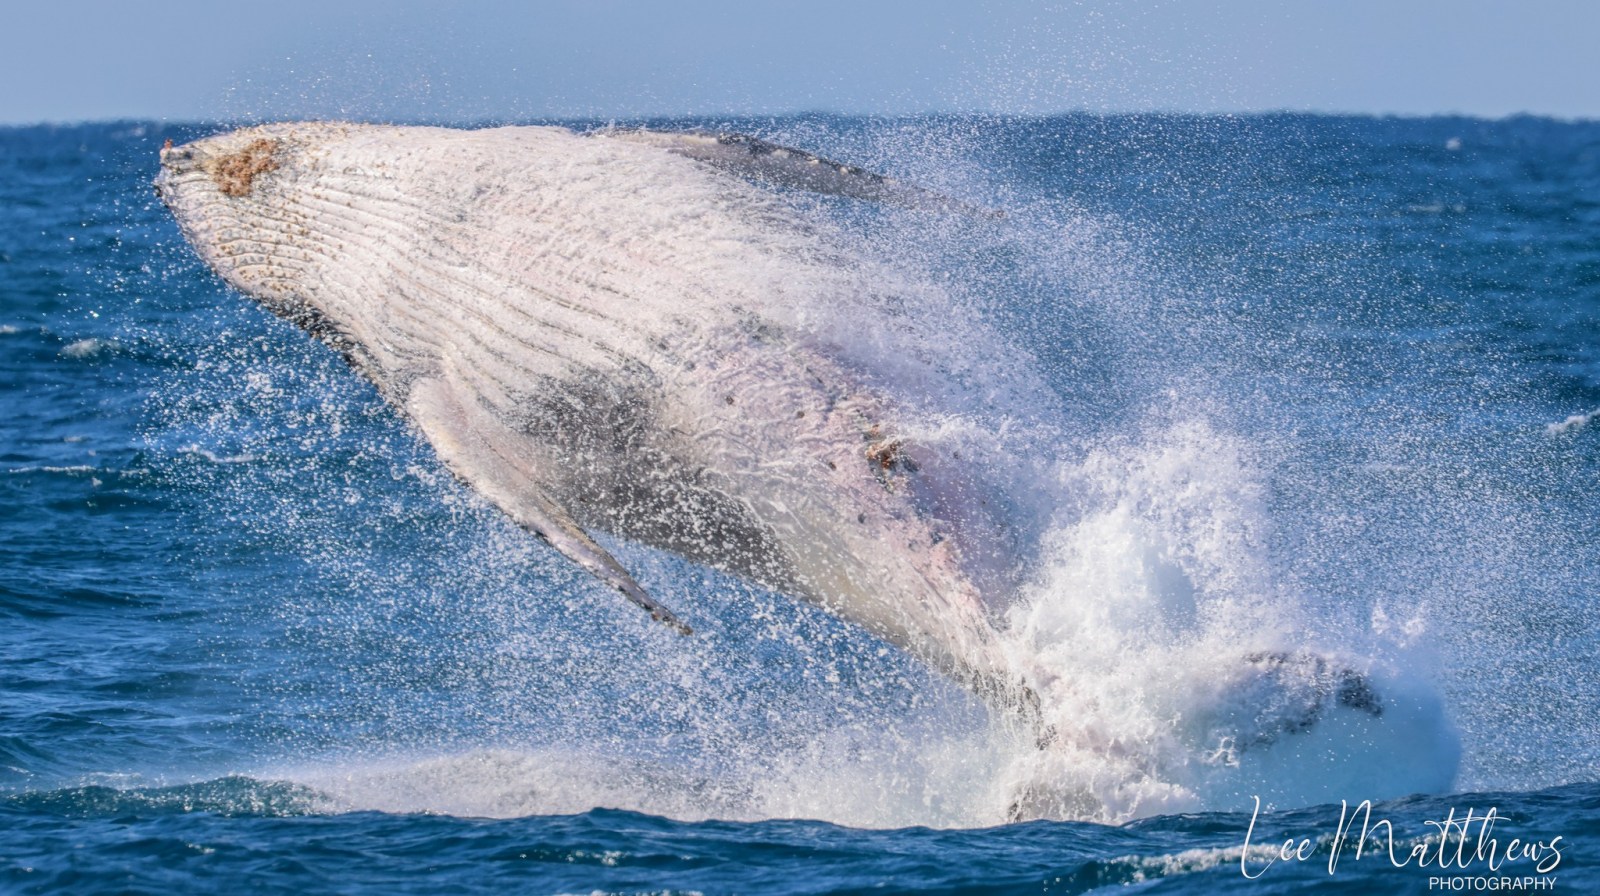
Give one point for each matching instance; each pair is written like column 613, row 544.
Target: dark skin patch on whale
column 236, row 172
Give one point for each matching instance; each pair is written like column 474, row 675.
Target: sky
column 498, row 60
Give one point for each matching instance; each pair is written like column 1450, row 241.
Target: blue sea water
column 253, row 635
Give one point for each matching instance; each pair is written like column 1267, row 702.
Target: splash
column 1180, row 665
column 1181, row 676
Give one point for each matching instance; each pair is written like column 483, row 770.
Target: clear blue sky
column 496, row 59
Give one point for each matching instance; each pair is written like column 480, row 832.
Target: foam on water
column 1573, row 422
column 88, row 348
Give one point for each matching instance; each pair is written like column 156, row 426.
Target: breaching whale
column 628, row 332
column 596, row 333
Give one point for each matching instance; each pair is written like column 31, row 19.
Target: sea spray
column 1141, row 371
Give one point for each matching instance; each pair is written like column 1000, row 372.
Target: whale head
column 219, row 190
column 239, row 199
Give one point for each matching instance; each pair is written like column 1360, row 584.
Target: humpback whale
column 597, row 332
column 636, row 333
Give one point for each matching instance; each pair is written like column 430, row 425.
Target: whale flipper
column 784, row 166
column 478, row 449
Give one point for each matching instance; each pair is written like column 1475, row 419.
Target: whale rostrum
column 607, row 332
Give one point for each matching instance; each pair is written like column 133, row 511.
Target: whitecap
column 1576, row 421
column 88, row 348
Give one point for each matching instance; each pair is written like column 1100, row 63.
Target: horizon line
column 491, row 121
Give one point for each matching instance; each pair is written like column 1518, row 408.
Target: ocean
column 1319, row 384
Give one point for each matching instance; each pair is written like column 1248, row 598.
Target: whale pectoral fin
column 479, row 450
column 557, row 528
column 785, row 166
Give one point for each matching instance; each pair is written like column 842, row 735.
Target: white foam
column 1155, row 595
column 872, row 789
column 88, row 348
column 1574, row 422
